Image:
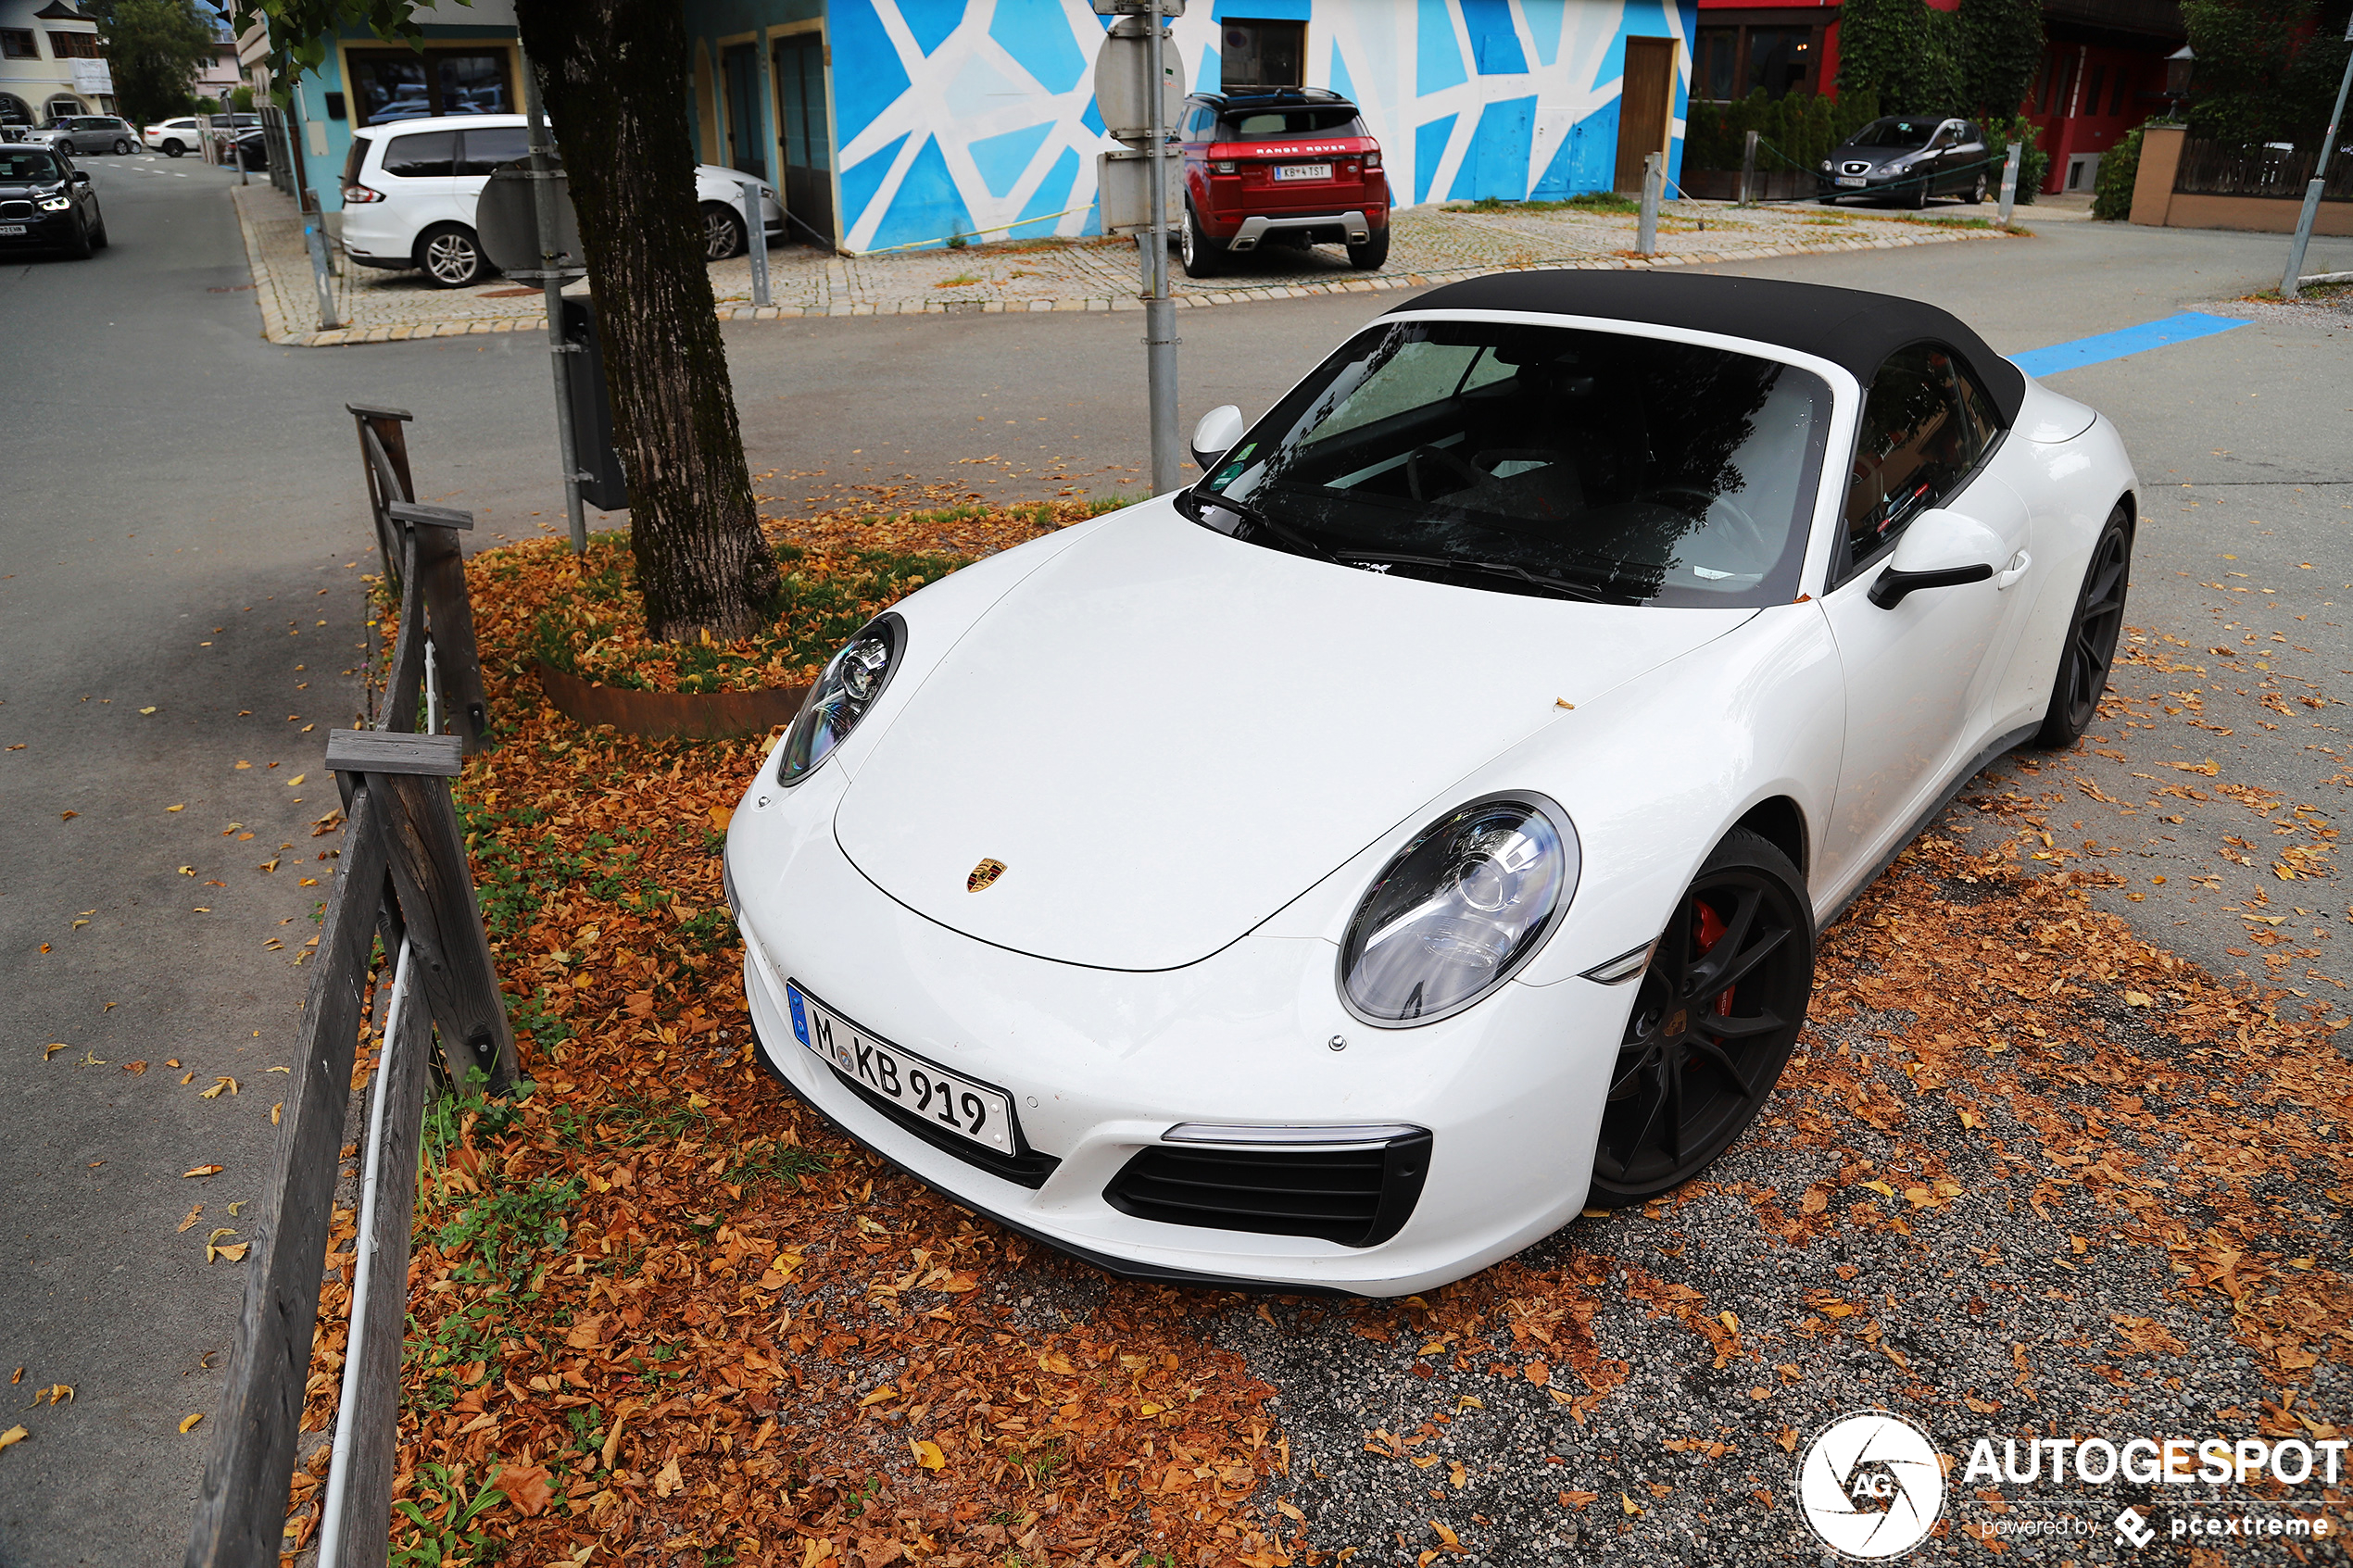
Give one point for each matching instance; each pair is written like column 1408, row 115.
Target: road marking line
column 2185, row 327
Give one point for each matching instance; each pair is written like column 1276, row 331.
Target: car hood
column 27, row 192
column 1165, row 734
column 1878, row 157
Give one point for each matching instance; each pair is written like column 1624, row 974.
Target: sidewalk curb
column 275, row 329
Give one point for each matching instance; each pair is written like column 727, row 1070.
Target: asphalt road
column 183, row 528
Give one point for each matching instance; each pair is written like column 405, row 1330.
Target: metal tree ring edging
column 670, row 715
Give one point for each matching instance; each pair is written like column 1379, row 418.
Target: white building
column 49, row 63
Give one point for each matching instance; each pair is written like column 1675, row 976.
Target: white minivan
column 409, row 189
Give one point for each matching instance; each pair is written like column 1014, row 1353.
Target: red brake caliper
column 1711, row 931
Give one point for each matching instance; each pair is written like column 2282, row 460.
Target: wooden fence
column 403, row 878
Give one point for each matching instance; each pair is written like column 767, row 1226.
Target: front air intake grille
column 1855, row 168
column 13, row 210
column 1357, row 1197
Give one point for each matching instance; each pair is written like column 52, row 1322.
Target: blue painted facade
column 978, row 117
column 486, row 26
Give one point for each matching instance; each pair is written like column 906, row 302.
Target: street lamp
column 2178, row 67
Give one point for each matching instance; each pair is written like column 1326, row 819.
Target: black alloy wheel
column 722, row 232
column 174, row 148
column 1714, row 1021
column 2089, row 652
column 1976, row 190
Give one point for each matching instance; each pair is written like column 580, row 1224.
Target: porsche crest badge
column 984, row 876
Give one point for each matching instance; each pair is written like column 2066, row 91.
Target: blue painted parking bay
column 2187, row 326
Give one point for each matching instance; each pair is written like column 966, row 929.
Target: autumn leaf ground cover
column 2026, row 1175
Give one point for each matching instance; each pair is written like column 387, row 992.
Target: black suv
column 46, row 203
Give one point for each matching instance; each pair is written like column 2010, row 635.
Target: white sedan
column 1337, row 874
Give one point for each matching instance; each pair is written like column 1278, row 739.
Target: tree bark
column 614, row 76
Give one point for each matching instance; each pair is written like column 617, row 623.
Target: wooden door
column 804, row 137
column 739, row 70
column 1646, row 102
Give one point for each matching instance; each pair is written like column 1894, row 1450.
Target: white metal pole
column 1160, row 311
column 756, row 239
column 2009, row 180
column 1646, row 227
column 2292, row 282
column 363, row 1247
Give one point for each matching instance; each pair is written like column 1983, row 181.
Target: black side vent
column 1029, row 1167
column 1357, row 1197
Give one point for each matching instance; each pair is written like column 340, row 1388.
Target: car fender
column 2071, row 487
column 1652, row 774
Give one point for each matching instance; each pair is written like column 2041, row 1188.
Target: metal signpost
column 2293, row 280
column 552, row 277
column 2009, row 180
column 756, row 238
column 1654, row 181
column 1136, row 80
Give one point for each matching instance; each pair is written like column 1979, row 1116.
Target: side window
column 1916, row 446
column 1984, row 424
column 1197, row 124
column 488, row 148
column 421, row 155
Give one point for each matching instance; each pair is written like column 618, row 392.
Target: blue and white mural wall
column 978, row 117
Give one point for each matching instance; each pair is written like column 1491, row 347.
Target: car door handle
column 2011, row 575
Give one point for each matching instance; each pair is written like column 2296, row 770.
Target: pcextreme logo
column 1871, row 1485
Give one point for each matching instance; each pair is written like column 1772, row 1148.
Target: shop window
column 1732, row 62
column 388, row 86
column 16, row 44
column 1718, row 61
column 1261, row 53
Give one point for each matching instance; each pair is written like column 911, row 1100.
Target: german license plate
column 12, row 229
column 970, row 1110
column 1850, row 179
column 1303, row 171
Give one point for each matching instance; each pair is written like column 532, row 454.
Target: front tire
column 2089, row 652
column 1977, row 191
column 1373, row 254
column 1203, row 257
column 121, row 148
column 98, row 236
column 450, row 256
column 78, row 248
column 1713, row 1022
column 722, row 232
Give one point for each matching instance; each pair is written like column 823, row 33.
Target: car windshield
column 19, row 168
column 1528, row 458
column 1902, row 133
column 1282, row 124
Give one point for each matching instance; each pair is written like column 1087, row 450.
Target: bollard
column 1653, row 179
column 314, row 234
column 756, row 239
column 1748, row 170
column 2009, row 180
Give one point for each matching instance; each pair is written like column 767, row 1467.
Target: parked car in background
column 253, row 148
column 46, row 203
column 1908, row 160
column 174, row 138
column 409, row 191
column 1294, row 165
column 90, row 133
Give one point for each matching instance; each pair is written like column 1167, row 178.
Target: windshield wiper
column 1561, row 587
column 1297, row 541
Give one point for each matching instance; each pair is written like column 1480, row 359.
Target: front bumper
column 42, row 231
column 1103, row 1064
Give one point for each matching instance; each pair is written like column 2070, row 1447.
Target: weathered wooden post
column 431, row 534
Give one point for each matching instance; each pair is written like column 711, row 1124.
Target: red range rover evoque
column 1290, row 165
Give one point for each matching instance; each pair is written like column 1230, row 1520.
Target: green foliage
column 155, row 47
column 2267, row 70
column 438, row 1524
column 2032, row 165
column 241, row 100
column 2001, row 45
column 207, row 105
column 765, row 1160
column 1908, row 53
column 1794, row 131
column 2112, row 197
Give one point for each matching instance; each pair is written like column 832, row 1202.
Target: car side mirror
column 1216, row 434
column 1941, row 550
column 82, row 177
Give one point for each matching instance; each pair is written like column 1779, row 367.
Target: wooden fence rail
column 403, row 877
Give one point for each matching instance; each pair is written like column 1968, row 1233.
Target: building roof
column 61, row 11
column 1847, row 327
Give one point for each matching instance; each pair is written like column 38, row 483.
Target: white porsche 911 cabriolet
column 1337, row 874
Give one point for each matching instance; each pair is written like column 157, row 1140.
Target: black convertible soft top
column 1847, row 327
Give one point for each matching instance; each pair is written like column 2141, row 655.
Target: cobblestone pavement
column 1429, row 244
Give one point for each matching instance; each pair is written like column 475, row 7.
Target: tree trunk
column 614, row 75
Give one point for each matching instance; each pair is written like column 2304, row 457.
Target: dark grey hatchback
column 1908, row 160
column 47, row 204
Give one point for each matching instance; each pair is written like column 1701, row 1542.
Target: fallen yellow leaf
column 16, row 1434
column 927, row 1453
column 221, row 1083
column 192, row 1419
column 720, row 817
column 191, row 1219
column 878, row 1396
column 180, row 808
column 274, row 1111
column 204, row 1171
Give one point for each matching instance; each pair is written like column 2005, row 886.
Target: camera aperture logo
column 1871, row 1485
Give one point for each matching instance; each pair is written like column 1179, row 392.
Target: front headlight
column 1460, row 907
column 57, row 202
column 841, row 697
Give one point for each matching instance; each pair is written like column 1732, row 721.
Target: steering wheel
column 1748, row 532
column 1414, row 469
